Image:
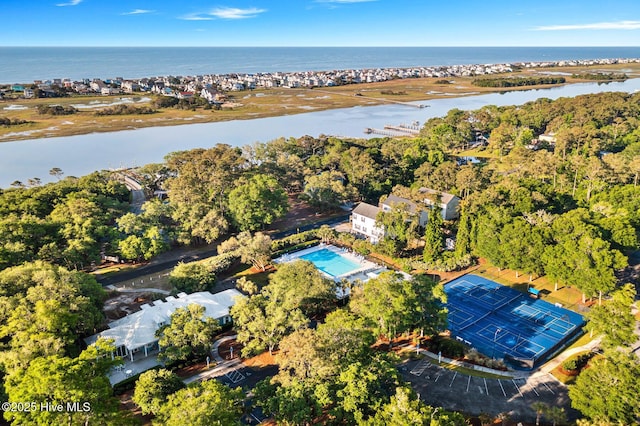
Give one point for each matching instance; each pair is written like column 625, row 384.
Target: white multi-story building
column 449, row 204
column 363, row 222
column 363, row 217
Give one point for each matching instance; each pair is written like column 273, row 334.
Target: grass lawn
column 106, row 271
column 260, row 278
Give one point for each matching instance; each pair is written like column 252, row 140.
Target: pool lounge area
column 336, row 263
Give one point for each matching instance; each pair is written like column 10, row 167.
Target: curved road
column 167, row 261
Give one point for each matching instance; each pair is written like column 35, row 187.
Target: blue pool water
column 330, row 262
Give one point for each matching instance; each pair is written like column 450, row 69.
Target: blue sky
column 320, row 23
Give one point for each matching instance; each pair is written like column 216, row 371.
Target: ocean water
column 25, row 64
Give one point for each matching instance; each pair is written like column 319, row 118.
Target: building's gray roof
column 445, row 198
column 367, row 210
column 392, row 200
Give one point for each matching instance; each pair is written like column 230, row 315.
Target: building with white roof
column 137, row 332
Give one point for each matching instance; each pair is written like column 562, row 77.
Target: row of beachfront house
column 364, row 215
column 238, row 82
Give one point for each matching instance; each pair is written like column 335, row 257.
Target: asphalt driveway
column 440, row 387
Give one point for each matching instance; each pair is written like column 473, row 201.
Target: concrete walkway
column 549, row 366
column 223, row 367
column 215, row 352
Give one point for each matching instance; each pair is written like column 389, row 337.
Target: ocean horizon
column 26, row 64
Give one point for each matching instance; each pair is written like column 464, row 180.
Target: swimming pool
column 330, row 262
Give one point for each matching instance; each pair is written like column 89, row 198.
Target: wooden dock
column 395, row 131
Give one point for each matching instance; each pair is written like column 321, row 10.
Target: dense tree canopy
column 207, row 403
column 44, row 309
column 256, row 203
column 63, row 222
column 189, row 334
column 153, row 387
column 59, row 379
column 608, row 390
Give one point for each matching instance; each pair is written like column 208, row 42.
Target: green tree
column 327, row 190
column 199, row 187
column 59, row 380
column 343, row 338
column 364, row 388
column 404, row 408
column 299, row 285
column 262, row 323
column 252, row 249
column 326, row 234
column 153, row 387
column 189, row 334
column 433, row 237
column 49, row 306
column 388, row 303
column 294, row 404
column 608, row 390
column 207, row 403
column 540, row 408
column 463, row 237
column 399, row 224
column 191, row 277
column 614, row 319
column 257, row 202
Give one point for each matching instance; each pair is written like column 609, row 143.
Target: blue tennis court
column 501, row 322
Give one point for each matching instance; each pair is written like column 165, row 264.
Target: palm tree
column 556, row 415
column 540, row 408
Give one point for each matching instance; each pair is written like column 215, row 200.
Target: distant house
column 550, row 138
column 17, row 88
column 449, row 204
column 107, row 90
column 363, row 222
column 29, row 93
column 130, row 86
column 212, row 95
column 184, row 95
column 135, row 334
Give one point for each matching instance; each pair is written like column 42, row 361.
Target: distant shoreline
column 267, row 102
column 442, row 71
column 26, row 64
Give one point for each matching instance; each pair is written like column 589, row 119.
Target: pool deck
column 365, row 271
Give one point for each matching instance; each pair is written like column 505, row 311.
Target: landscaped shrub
column 293, row 240
column 221, row 262
column 449, row 347
column 346, row 239
column 362, row 247
column 448, row 263
column 576, row 363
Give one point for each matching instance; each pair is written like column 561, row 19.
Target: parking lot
column 439, row 386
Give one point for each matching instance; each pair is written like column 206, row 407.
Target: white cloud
column 620, row 25
column 70, row 3
column 196, row 17
column 224, row 13
column 235, row 13
column 138, row 12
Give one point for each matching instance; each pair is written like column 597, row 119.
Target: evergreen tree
column 433, row 237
